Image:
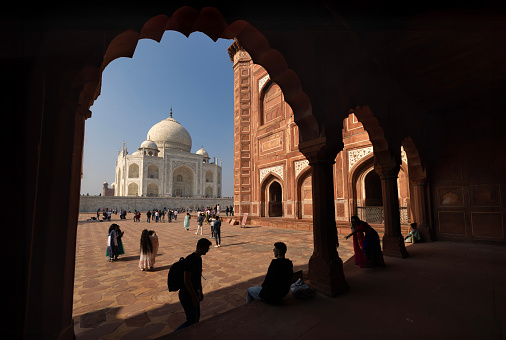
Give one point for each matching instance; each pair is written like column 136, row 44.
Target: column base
column 393, row 245
column 327, row 276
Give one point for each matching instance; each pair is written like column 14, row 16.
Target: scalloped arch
column 211, row 22
column 376, row 134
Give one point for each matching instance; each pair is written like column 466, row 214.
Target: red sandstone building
column 273, row 178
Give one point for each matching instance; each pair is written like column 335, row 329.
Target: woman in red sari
column 358, row 245
column 366, row 244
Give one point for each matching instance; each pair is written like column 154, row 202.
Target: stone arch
column 376, row 134
column 133, row 189
column 271, row 200
column 209, row 177
column 354, row 178
column 152, row 190
column 183, row 179
column 271, row 102
column 153, row 171
column 133, row 170
column 211, row 22
column 304, row 196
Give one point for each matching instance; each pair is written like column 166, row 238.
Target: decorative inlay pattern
column 357, row 154
column 278, row 170
column 262, row 82
column 176, row 164
column 300, row 165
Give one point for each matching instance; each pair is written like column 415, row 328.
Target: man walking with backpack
column 190, row 294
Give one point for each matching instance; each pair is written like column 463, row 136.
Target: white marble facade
column 164, row 166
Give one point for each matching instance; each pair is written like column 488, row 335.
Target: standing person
column 163, row 215
column 169, row 215
column 231, row 210
column 226, row 211
column 187, row 221
column 112, row 243
column 148, row 214
column 148, row 249
column 371, row 246
column 121, row 249
column 277, row 280
column 175, row 215
column 191, row 294
column 217, row 231
column 200, row 220
column 218, row 209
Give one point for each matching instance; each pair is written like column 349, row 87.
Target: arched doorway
column 183, row 182
column 275, row 199
column 304, row 196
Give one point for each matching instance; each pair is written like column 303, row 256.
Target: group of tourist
column 279, row 277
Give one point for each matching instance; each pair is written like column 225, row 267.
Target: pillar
column 52, row 246
column 419, row 206
column 393, row 241
column 325, row 266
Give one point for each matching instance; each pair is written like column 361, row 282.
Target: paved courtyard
column 115, row 300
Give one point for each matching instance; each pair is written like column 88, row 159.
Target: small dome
column 149, row 144
column 202, row 152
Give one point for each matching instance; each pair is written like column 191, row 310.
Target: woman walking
column 187, row 221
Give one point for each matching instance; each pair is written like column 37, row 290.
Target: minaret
column 243, row 85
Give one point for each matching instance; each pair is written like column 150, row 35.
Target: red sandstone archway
column 265, row 197
column 301, row 194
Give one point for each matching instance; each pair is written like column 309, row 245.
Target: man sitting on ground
column 278, row 279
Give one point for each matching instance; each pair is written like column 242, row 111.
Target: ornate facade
column 273, row 178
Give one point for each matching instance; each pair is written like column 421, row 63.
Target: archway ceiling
column 445, row 61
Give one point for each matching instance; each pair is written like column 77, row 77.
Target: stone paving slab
column 115, row 300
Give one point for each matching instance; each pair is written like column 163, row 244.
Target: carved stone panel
column 452, row 222
column 356, row 155
column 487, row 224
column 278, row 170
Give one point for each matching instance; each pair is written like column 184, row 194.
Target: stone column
column 52, row 247
column 419, row 204
column 393, row 242
column 325, row 266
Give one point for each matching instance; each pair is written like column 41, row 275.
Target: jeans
column 192, row 312
column 253, row 294
column 217, row 236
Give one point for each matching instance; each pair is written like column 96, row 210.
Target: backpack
column 175, row 277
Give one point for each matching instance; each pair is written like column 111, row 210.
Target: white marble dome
column 171, row 134
column 202, row 152
column 149, row 144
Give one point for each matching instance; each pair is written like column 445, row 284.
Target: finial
column 171, row 112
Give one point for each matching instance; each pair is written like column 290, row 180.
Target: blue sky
column 192, row 75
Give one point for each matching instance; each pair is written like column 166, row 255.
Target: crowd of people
column 279, row 277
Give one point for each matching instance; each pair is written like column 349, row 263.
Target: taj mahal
column 164, row 166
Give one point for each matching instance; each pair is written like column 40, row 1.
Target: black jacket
column 277, row 281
